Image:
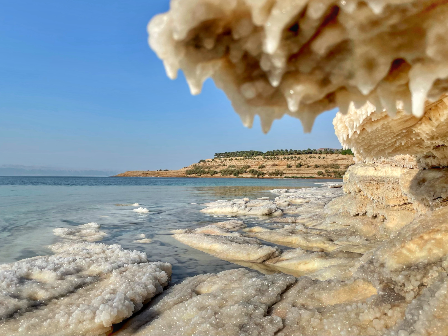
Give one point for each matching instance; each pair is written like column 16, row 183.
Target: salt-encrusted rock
column 299, row 262
column 141, row 210
column 277, row 57
column 352, row 307
column 229, row 247
column 235, row 302
column 289, row 201
column 296, row 238
column 243, row 207
column 142, row 239
column 413, row 258
column 426, row 315
column 208, row 230
column 373, row 135
column 231, row 225
column 217, row 229
column 83, row 289
column 89, row 232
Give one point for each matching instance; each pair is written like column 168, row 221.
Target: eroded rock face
column 373, row 135
column 397, row 286
column 83, row 289
column 302, row 57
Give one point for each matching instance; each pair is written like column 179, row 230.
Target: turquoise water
column 31, row 207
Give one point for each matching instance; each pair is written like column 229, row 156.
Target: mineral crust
column 303, row 57
column 83, row 289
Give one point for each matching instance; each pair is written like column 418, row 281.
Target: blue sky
column 80, row 88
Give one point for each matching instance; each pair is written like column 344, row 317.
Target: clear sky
column 80, row 88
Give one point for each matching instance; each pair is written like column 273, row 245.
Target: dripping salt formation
column 302, row 57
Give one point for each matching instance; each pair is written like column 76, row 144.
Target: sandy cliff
column 287, row 166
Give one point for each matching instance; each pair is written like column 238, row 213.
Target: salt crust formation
column 392, row 285
column 82, row 289
column 319, row 251
column 303, row 57
column 141, row 210
column 89, row 232
column 142, row 239
column 370, row 259
column 372, row 134
column 234, row 302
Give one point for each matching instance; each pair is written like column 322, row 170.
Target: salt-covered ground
column 318, row 251
column 87, row 232
column 82, row 289
column 345, row 284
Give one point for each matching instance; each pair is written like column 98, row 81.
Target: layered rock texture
column 82, row 289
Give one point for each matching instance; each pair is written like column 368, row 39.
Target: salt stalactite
column 303, row 57
column 424, row 138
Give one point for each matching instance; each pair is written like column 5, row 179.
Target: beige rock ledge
column 83, row 289
column 229, row 247
column 225, row 228
column 395, row 286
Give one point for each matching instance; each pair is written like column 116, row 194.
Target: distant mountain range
column 18, row 170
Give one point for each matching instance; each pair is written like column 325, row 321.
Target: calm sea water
column 31, row 207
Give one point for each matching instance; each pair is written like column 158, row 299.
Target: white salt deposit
column 244, row 207
column 89, row 232
column 231, row 225
column 234, row 302
column 301, row 58
column 82, row 289
column 141, row 210
column 142, row 239
column 135, row 204
column 229, row 247
column 217, row 229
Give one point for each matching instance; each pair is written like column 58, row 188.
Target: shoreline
column 241, row 177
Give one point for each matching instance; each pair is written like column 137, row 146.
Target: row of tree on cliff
column 253, row 153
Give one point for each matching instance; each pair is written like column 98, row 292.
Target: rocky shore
column 369, row 258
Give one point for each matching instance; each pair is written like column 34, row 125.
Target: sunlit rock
column 141, row 210
column 243, row 207
column 226, row 228
column 235, row 302
column 373, row 135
